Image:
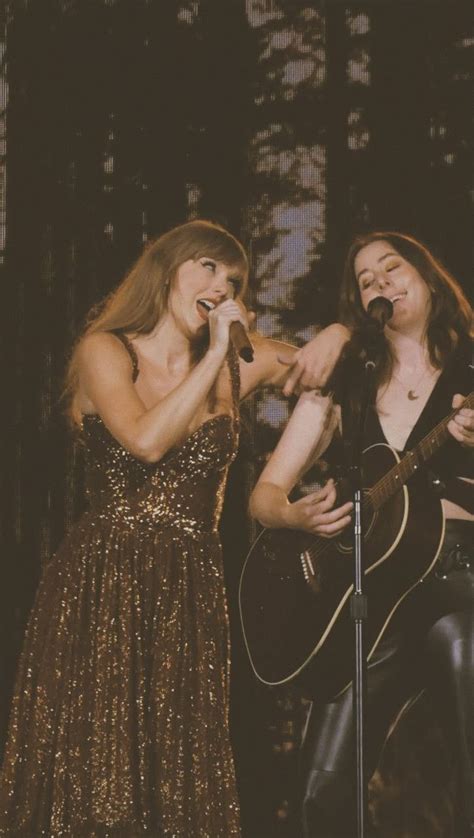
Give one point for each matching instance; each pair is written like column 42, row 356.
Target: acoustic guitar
column 295, row 587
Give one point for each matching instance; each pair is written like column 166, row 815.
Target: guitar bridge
column 309, row 572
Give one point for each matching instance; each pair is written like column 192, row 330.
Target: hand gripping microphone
column 238, row 336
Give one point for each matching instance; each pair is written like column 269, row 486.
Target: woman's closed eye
column 209, row 265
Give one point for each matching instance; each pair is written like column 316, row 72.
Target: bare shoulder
column 105, row 380
column 101, row 349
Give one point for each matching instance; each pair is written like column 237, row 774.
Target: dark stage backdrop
column 293, row 123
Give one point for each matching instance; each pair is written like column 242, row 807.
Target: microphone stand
column 363, row 350
column 359, row 606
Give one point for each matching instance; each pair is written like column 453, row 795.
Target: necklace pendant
column 412, row 396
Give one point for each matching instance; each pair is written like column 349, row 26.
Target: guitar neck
column 414, row 459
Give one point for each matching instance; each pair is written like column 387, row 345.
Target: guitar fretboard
column 414, row 459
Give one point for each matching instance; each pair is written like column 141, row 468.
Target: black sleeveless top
column 453, row 460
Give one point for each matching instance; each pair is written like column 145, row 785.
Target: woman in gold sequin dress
column 119, row 724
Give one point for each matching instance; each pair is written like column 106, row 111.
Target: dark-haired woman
column 119, row 720
column 424, row 369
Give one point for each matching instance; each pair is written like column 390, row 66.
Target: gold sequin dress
column 119, row 724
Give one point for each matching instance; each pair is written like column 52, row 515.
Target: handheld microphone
column 241, row 341
column 380, row 310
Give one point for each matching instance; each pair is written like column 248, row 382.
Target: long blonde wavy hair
column 139, row 302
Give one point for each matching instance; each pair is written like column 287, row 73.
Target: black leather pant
column 424, row 651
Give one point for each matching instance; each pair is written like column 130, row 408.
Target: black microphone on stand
column 380, row 310
column 362, row 349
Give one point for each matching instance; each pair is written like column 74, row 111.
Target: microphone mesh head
column 380, row 309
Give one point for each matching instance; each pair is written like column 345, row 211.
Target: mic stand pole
column 358, row 607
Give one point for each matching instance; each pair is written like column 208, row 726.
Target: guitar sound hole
column 283, row 562
column 280, row 566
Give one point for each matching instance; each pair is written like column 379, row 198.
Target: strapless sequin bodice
column 184, row 490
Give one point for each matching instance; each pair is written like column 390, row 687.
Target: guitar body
column 295, row 588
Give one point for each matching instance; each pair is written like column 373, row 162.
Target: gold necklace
column 412, row 395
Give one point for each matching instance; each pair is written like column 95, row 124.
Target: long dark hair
column 450, row 316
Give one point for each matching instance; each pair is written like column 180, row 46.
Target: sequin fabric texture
column 119, row 723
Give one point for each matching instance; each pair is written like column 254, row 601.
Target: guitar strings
column 440, row 430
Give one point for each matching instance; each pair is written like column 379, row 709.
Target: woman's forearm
column 282, row 365
column 270, row 505
column 146, row 432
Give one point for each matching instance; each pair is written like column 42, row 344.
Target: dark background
column 294, row 124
